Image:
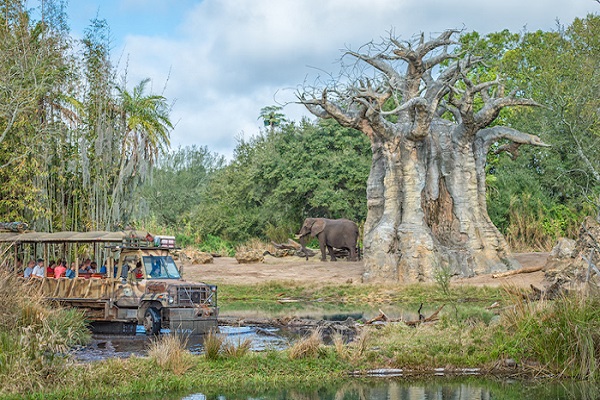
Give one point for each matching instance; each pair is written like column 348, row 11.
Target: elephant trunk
column 302, row 239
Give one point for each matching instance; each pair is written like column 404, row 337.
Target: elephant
column 338, row 233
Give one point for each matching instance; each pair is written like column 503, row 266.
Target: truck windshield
column 160, row 267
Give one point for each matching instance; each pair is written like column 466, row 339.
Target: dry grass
column 169, row 352
column 361, row 343
column 34, row 338
column 339, row 344
column 308, row 347
column 256, row 245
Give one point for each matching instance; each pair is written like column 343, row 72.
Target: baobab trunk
column 426, row 190
column 425, row 212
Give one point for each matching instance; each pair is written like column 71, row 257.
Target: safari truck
column 142, row 284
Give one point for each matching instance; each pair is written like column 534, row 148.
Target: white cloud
column 228, row 58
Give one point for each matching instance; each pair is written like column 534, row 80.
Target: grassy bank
column 558, row 339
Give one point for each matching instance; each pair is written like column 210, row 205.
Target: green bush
column 216, row 245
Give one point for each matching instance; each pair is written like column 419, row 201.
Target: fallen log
column 525, row 270
column 433, row 317
column 382, row 317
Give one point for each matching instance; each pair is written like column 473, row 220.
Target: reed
column 307, row 347
column 242, row 348
column 169, row 351
column 212, row 345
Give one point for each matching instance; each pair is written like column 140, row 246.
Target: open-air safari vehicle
column 116, row 302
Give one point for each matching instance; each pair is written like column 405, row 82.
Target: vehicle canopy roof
column 75, row 237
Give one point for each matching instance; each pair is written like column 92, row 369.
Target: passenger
column 93, row 267
column 18, row 265
column 155, row 273
column 138, row 271
column 70, row 273
column 38, row 270
column 50, row 269
column 29, row 269
column 85, row 267
column 103, row 268
column 60, row 269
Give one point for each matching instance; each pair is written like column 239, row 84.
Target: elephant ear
column 317, row 227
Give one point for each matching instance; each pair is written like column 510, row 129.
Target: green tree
column 176, row 186
column 278, row 178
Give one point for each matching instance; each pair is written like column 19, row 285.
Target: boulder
column 566, row 262
column 194, row 256
column 249, row 257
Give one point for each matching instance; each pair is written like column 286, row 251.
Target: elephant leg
column 331, row 253
column 322, row 246
column 353, row 253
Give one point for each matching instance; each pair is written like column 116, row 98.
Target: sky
column 221, row 61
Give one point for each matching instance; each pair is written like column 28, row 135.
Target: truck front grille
column 194, row 295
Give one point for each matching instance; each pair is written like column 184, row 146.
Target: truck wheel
column 152, row 321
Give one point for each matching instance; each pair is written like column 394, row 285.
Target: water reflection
column 438, row 389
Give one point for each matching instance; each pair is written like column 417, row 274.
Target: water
column 118, row 346
column 399, row 389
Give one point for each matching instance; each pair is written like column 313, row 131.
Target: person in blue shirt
column 103, row 268
column 71, row 271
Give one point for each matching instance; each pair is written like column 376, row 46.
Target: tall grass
column 169, row 351
column 560, row 337
column 212, row 345
column 307, row 347
column 35, row 337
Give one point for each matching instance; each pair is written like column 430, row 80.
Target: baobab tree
column 429, row 119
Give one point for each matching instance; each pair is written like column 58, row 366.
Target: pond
column 401, row 389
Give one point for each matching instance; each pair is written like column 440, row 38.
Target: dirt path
column 227, row 270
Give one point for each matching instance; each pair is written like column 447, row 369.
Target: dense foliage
column 75, row 143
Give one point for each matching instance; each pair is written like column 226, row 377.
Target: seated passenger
column 38, row 270
column 138, row 271
column 85, row 267
column 93, row 267
column 70, row 273
column 60, row 270
column 104, row 268
column 155, row 270
column 29, row 269
column 50, row 268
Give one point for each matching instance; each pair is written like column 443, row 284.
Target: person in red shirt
column 50, row 269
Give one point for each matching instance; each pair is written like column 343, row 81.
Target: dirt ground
column 226, row 270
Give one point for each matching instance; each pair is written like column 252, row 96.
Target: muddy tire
column 152, row 321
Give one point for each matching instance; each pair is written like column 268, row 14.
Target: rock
column 249, row 257
column 566, row 263
column 564, row 248
column 194, row 256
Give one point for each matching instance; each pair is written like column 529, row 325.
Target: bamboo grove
column 75, row 142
